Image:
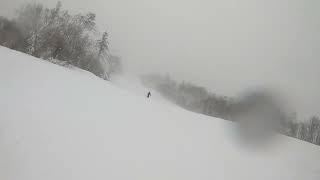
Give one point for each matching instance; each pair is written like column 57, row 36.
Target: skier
column 149, row 94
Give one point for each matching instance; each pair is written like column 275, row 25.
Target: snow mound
column 62, row 124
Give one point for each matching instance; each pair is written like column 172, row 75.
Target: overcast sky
column 227, row 46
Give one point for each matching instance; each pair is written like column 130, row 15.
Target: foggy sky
column 228, row 46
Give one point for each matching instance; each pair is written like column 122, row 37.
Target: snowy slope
column 62, row 124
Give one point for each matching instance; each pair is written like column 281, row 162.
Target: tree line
column 55, row 34
column 200, row 100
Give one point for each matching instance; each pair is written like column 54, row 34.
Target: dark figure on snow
column 149, row 94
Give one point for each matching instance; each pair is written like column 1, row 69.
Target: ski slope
column 66, row 124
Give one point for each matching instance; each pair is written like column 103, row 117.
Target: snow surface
column 65, row 124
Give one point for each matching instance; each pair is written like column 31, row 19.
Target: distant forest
column 55, row 35
column 200, row 100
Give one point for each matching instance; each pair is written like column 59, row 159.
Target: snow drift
column 63, row 124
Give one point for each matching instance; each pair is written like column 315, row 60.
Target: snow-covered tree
column 102, row 56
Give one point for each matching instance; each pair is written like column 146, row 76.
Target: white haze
column 228, row 46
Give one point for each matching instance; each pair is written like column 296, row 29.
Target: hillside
column 67, row 124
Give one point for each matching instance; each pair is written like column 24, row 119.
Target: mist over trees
column 10, row 35
column 258, row 109
column 55, row 34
